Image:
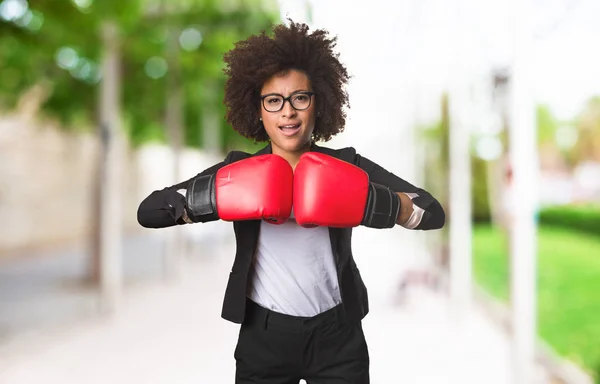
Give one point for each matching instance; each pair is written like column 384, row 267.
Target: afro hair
column 255, row 60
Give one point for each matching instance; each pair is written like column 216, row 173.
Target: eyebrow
column 291, row 93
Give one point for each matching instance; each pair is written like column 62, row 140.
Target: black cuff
column 201, row 200
column 382, row 209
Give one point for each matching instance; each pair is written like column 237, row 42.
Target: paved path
column 172, row 333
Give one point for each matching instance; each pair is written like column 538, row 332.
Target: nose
column 287, row 109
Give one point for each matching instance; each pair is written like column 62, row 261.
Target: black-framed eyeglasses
column 274, row 102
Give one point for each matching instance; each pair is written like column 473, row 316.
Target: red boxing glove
column 329, row 192
column 256, row 188
column 333, row 193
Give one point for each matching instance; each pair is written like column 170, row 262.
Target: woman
column 294, row 286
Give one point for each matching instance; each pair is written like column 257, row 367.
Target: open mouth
column 289, row 129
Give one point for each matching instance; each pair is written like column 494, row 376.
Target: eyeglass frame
column 289, row 99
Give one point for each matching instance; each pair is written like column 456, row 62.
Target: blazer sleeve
column 434, row 216
column 164, row 208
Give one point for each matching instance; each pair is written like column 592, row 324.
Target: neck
column 292, row 157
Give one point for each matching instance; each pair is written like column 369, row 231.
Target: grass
column 568, row 287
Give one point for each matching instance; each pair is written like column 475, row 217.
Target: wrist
column 185, row 217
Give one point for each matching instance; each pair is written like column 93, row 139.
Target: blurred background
column 492, row 106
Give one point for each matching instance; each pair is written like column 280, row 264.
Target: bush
column 479, row 191
column 584, row 218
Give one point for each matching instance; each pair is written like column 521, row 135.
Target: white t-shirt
column 294, row 270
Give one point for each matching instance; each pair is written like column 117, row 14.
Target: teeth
column 289, row 126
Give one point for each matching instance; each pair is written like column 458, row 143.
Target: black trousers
column 274, row 348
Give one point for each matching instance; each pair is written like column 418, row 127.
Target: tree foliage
column 56, row 44
column 587, row 146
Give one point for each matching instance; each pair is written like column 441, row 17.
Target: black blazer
column 164, row 208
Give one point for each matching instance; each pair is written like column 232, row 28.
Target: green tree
column 168, row 72
column 587, row 147
column 57, row 45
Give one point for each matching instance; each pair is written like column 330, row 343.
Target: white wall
column 46, row 184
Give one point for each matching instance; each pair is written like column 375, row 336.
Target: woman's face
column 289, row 129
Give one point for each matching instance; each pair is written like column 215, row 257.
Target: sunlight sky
column 420, row 31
